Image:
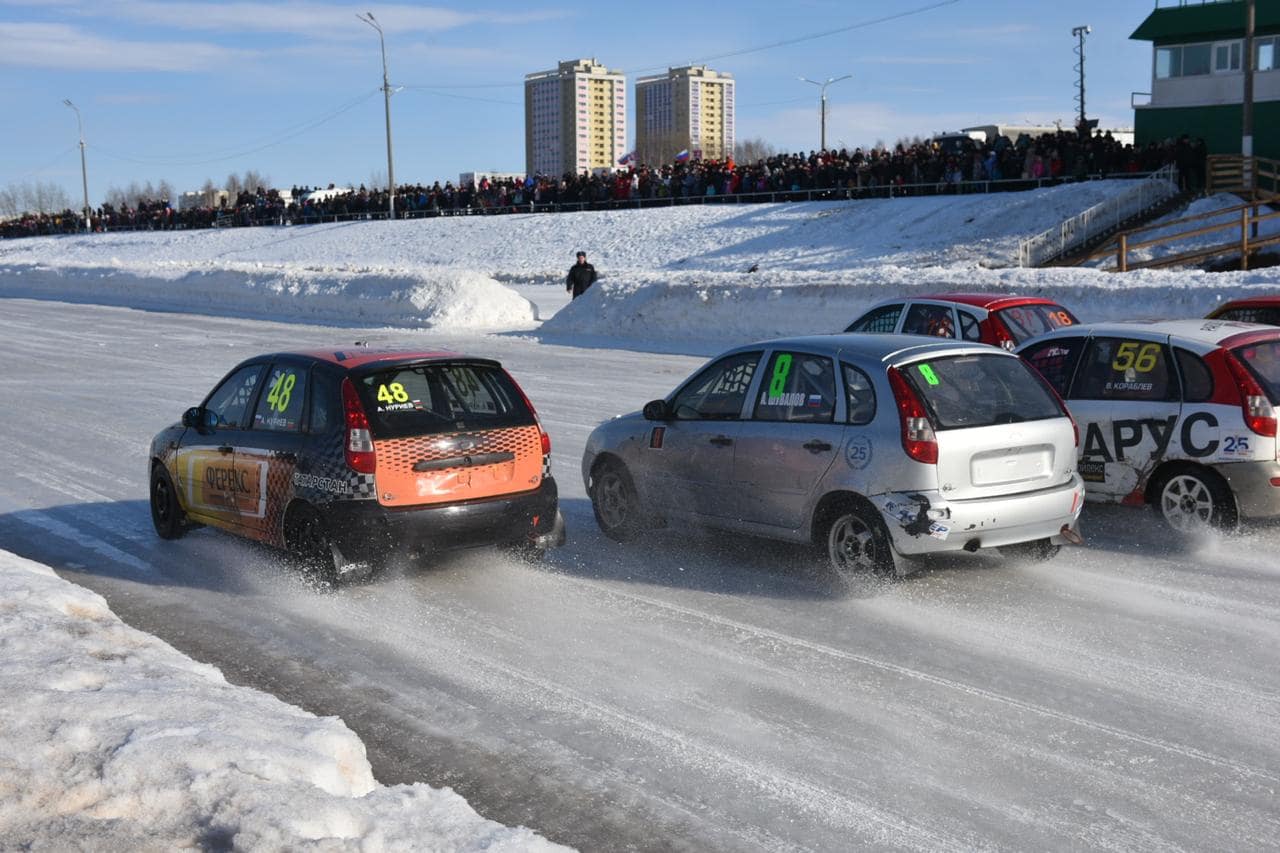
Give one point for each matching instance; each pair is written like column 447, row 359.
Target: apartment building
column 575, row 118
column 689, row 108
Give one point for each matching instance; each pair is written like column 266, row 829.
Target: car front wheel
column 166, row 513
column 615, row 502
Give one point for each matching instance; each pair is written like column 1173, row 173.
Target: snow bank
column 722, row 308
column 115, row 741
column 433, row 298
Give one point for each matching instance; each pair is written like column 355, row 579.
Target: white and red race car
column 1179, row 414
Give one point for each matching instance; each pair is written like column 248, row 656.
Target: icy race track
column 684, row 692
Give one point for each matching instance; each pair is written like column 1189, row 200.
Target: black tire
column 856, row 543
column 166, row 513
column 1036, row 551
column 615, row 502
column 1192, row 499
column 307, row 538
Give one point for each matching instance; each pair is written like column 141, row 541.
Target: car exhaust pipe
column 1071, row 535
column 972, row 545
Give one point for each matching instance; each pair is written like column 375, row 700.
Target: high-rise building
column 575, row 118
column 688, row 108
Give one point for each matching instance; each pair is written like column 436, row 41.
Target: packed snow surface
column 115, row 741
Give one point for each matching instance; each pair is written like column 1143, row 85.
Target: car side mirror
column 200, row 418
column 657, row 410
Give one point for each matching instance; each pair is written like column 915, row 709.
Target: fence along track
column 1157, row 188
column 1225, row 174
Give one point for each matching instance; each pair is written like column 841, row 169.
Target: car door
column 790, row 439
column 1126, row 400
column 692, row 470
column 211, row 484
column 267, row 454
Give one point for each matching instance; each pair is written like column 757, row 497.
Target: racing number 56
column 1140, row 357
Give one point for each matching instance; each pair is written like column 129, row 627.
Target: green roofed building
column 1197, row 74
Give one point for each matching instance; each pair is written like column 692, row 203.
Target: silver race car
column 870, row 446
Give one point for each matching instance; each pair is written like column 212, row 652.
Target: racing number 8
column 282, row 391
column 781, row 369
column 1129, row 355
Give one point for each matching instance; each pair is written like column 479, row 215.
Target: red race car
column 1252, row 309
column 992, row 318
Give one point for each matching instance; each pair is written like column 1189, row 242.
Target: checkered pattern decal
column 400, row 485
column 325, row 477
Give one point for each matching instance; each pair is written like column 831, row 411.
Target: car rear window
column 967, row 391
column 1027, row 321
column 441, row 397
column 1268, row 316
column 1263, row 361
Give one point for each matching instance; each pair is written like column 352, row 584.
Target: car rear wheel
column 615, row 502
column 166, row 513
column 1195, row 500
column 307, row 539
column 1036, row 551
column 858, row 544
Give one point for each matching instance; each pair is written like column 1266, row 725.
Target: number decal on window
column 1129, row 355
column 282, row 391
column 927, row 372
column 393, row 393
column 1060, row 318
column 781, row 370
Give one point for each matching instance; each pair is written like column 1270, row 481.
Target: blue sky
column 190, row 90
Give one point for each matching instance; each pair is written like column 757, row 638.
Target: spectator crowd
column 944, row 165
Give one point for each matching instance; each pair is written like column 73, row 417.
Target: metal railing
column 1103, row 217
column 885, row 191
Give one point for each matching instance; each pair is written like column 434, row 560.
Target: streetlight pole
column 367, row 17
column 1080, row 33
column 84, row 172
column 823, row 87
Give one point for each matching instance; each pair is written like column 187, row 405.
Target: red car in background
column 1253, row 309
column 992, row 318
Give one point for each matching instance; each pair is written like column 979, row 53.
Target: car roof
column 989, row 301
column 1249, row 302
column 875, row 347
column 360, row 356
column 1211, row 332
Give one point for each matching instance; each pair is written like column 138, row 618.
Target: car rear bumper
column 927, row 523
column 1251, row 483
column 358, row 527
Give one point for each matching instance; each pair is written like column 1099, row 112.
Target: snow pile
column 115, row 741
column 724, row 308
column 432, row 298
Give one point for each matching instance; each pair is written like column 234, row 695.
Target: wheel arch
column 607, row 457
column 1151, row 492
column 829, row 506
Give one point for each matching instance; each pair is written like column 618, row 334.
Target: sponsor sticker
column 1093, row 470
column 939, row 531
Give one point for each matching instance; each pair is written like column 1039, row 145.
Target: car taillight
column 546, row 439
column 359, row 448
column 1259, row 414
column 999, row 333
column 917, row 433
column 1062, row 404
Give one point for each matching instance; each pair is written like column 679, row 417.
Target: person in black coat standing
column 581, row 276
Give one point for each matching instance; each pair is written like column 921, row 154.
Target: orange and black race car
column 341, row 457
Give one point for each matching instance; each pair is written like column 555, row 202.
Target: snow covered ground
column 678, row 693
column 115, row 741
